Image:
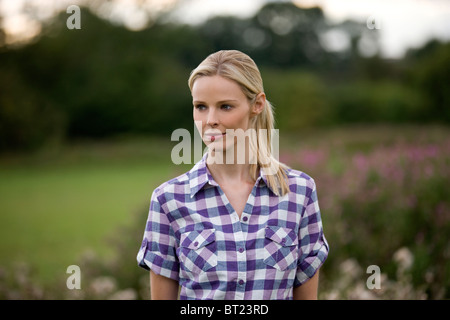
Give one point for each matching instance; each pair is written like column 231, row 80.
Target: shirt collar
column 199, row 177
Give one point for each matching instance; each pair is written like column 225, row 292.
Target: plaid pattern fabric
column 194, row 236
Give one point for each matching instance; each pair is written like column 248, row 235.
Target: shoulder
column 177, row 185
column 299, row 180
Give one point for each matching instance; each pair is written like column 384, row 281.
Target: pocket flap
column 283, row 236
column 197, row 238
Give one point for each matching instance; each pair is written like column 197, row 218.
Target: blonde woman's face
column 220, row 104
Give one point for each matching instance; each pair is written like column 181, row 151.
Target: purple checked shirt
column 194, row 236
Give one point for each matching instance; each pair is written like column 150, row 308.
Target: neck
column 228, row 172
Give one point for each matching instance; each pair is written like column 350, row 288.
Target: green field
column 57, row 204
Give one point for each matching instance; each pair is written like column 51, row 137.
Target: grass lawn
column 54, row 205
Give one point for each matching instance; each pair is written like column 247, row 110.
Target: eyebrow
column 218, row 102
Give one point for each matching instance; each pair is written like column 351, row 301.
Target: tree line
column 104, row 79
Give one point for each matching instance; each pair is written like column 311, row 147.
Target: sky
column 402, row 24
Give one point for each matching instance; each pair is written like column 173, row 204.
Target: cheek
column 198, row 121
column 199, row 125
column 195, row 115
column 240, row 122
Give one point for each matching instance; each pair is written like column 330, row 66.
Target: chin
column 221, row 148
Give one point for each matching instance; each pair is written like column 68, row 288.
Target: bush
column 375, row 102
column 299, row 98
column 27, row 118
column 384, row 198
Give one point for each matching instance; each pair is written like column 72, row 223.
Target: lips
column 214, row 137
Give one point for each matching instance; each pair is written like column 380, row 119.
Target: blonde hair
column 239, row 67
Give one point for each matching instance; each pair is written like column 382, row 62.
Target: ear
column 259, row 104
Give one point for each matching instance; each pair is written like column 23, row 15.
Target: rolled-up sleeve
column 313, row 246
column 157, row 251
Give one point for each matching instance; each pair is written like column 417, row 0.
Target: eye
column 226, row 107
column 200, row 107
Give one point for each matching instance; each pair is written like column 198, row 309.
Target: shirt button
column 195, row 243
column 241, row 250
column 241, row 282
column 245, row 218
column 283, row 241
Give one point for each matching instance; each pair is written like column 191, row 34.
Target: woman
column 234, row 228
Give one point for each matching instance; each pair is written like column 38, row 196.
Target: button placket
column 241, row 274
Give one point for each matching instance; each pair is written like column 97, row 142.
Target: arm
column 308, row 290
column 162, row 288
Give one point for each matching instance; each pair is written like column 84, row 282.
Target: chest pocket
column 198, row 250
column 280, row 248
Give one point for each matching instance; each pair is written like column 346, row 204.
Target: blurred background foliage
column 106, row 81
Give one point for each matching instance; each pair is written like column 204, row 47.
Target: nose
column 212, row 119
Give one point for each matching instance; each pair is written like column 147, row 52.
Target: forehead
column 217, row 88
